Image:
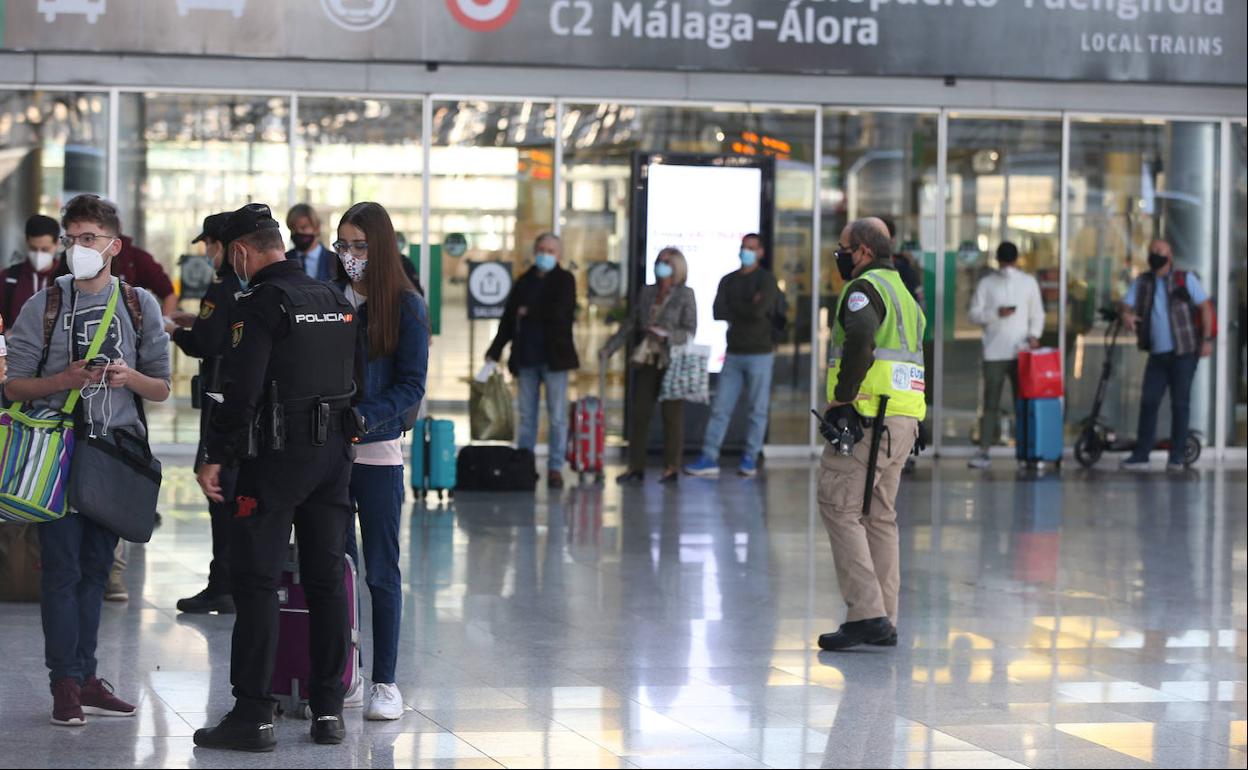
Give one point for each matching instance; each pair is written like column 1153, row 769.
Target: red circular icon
column 483, row 15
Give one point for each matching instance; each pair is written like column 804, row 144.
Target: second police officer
column 876, row 384
column 207, row 337
column 287, row 421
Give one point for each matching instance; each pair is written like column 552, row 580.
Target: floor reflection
column 1076, row 620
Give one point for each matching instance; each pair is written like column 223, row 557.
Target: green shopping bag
column 490, row 413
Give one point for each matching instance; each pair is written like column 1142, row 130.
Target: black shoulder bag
column 114, row 479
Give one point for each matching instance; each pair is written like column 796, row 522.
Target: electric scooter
column 1095, row 435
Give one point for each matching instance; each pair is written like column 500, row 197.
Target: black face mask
column 845, row 263
column 303, row 241
column 1157, row 261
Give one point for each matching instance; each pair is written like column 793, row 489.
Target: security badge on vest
column 897, row 371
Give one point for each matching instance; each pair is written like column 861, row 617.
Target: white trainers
column 354, row 698
column 385, row 704
column 980, row 462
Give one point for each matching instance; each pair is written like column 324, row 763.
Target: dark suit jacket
column 553, row 316
column 325, row 268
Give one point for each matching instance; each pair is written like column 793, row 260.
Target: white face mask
column 41, row 260
column 86, row 263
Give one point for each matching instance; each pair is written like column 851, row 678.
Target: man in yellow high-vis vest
column 877, row 351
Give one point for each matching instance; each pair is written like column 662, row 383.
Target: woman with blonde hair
column 664, row 315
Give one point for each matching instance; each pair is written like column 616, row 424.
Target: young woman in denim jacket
column 397, row 329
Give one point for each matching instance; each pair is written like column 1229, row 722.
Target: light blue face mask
column 748, row 258
column 545, row 261
column 662, row 270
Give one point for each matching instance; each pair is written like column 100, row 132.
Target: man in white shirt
column 1007, row 304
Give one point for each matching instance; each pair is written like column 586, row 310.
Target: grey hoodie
column 85, row 311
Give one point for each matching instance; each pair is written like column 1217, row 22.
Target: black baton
column 873, row 457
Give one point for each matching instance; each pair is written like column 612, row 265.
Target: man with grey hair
column 537, row 322
column 876, row 384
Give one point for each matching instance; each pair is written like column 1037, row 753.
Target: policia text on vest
column 876, row 370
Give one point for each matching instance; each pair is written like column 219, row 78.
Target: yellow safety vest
column 898, row 370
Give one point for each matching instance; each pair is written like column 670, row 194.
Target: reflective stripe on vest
column 898, row 370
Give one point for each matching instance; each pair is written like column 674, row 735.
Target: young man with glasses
column 77, row 552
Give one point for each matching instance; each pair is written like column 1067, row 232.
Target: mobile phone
column 98, row 362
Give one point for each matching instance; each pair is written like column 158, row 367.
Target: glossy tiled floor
column 1095, row 621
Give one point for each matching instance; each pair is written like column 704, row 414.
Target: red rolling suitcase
column 587, row 442
column 293, row 665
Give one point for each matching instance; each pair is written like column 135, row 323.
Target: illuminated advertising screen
column 703, row 207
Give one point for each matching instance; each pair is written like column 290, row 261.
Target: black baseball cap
column 213, row 225
column 251, row 218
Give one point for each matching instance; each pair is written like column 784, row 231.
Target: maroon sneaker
column 98, row 700
column 67, row 704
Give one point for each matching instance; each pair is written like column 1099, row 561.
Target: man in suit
column 305, row 231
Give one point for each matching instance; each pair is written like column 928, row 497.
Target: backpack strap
column 51, row 314
column 135, row 309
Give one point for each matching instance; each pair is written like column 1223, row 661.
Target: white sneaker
column 980, row 462
column 355, row 696
column 385, row 704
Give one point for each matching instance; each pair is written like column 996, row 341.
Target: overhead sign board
column 1143, row 41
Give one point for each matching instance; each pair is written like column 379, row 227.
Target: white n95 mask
column 85, row 263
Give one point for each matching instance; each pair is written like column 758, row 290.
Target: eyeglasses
column 83, row 239
column 357, row 248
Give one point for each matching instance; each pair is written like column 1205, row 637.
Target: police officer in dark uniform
column 286, row 419
column 207, row 337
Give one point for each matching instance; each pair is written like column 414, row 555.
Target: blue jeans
column 753, row 374
column 531, row 379
column 377, row 495
column 77, row 556
column 1166, row 370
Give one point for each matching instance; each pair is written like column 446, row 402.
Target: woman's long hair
column 384, row 279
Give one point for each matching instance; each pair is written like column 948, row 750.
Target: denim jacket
column 395, row 383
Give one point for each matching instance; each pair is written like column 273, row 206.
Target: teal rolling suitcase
column 433, row 457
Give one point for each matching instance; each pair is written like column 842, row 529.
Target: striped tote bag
column 36, row 446
column 35, row 450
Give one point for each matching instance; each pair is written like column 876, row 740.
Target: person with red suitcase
column 1008, row 305
column 537, row 323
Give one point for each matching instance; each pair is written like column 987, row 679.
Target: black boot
column 876, row 631
column 328, row 730
column 207, row 601
column 889, row 642
column 234, row 734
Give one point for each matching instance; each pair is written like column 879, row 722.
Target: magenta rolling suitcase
column 293, row 665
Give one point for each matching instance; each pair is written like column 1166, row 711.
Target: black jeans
column 1175, row 373
column 306, row 486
